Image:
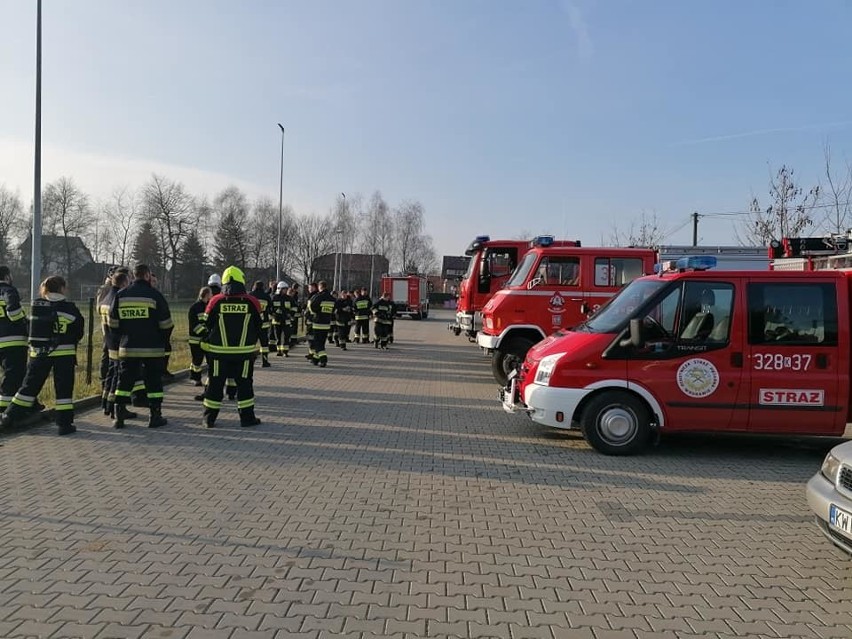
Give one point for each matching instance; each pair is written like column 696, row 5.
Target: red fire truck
column 694, row 349
column 491, row 264
column 409, row 294
column 554, row 287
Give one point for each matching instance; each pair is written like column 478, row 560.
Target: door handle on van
column 737, row 360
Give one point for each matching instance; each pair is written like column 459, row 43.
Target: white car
column 830, row 496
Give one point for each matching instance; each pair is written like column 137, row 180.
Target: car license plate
column 840, row 519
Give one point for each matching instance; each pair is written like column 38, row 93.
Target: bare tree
column 121, row 216
column 314, row 237
column 168, row 203
column 67, row 214
column 408, row 226
column 788, row 215
column 835, row 197
column 645, row 231
column 263, row 235
column 11, row 217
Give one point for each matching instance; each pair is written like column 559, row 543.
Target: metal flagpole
column 35, row 265
column 280, row 210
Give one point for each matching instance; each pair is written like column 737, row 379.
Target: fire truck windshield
column 612, row 317
column 470, row 264
column 523, row 270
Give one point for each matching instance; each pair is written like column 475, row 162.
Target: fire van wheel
column 509, row 357
column 616, row 423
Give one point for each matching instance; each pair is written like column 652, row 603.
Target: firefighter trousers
column 13, row 360
column 362, row 330
column 150, row 370
column 195, row 365
column 317, row 344
column 241, row 371
column 382, row 333
column 38, row 370
column 343, row 333
column 283, row 334
column 104, row 370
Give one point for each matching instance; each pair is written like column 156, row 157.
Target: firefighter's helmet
column 233, row 274
column 214, row 280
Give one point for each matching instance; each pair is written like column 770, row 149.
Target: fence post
column 90, row 346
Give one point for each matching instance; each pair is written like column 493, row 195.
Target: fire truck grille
column 845, row 479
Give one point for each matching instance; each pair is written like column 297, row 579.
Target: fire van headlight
column 830, row 467
column 489, row 323
column 546, row 367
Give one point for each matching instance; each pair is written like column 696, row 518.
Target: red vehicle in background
column 491, row 264
column 694, row 349
column 554, row 287
column 409, row 294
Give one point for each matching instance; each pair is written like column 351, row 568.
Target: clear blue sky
column 499, row 116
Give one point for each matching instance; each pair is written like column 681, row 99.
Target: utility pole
column 280, row 210
column 35, row 264
column 695, row 228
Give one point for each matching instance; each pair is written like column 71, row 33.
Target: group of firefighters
column 229, row 327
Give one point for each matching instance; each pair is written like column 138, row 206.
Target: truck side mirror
column 636, row 337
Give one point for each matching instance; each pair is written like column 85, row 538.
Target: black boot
column 210, row 415
column 109, row 408
column 121, row 413
column 156, row 419
column 65, row 422
column 248, row 418
column 265, row 363
column 105, row 405
column 323, row 362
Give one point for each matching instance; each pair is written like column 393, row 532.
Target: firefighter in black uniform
column 344, row 310
column 234, row 326
column 283, row 318
column 13, row 339
column 296, row 313
column 310, row 294
column 197, row 316
column 363, row 306
column 265, row 301
column 56, row 326
column 276, row 332
column 382, row 313
column 322, row 311
column 142, row 323
column 332, row 333
column 119, row 281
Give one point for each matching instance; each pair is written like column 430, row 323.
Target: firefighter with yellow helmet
column 234, row 324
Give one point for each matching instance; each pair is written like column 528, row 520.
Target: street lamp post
column 280, row 210
column 340, row 232
column 35, row 264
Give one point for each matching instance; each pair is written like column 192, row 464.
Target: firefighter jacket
column 343, row 311
column 13, row 320
column 141, row 321
column 383, row 311
column 362, row 307
column 277, row 313
column 197, row 316
column 321, row 307
column 56, row 326
column 266, row 307
column 309, row 315
column 104, row 306
column 233, row 323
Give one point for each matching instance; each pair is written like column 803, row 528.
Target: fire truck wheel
column 509, row 357
column 616, row 423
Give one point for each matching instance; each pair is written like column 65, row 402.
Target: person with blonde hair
column 56, row 327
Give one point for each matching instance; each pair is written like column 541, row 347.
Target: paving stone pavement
column 389, row 495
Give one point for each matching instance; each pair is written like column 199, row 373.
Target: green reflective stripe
column 23, row 402
column 194, row 368
column 321, row 354
column 231, row 382
column 244, row 334
column 194, row 340
column 64, row 407
column 14, row 316
column 112, row 354
column 228, row 350
column 137, row 387
column 322, row 327
column 246, row 403
column 264, row 350
column 123, row 393
column 156, row 395
column 134, row 353
column 209, row 403
column 216, row 368
column 13, row 344
column 246, row 365
column 199, row 329
column 138, row 302
column 222, row 332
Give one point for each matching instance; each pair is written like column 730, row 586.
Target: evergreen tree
column 190, row 275
column 231, row 241
column 146, row 247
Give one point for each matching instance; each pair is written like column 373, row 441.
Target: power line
column 796, row 208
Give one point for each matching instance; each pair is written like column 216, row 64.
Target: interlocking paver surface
column 389, row 495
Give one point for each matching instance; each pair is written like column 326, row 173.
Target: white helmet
column 215, row 280
column 281, row 286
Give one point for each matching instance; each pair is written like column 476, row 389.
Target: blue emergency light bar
column 691, row 263
column 482, row 238
column 542, row 240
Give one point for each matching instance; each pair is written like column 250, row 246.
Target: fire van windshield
column 523, row 269
column 614, row 316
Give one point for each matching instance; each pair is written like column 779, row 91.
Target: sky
column 565, row 116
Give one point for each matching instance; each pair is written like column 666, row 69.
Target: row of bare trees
column 163, row 224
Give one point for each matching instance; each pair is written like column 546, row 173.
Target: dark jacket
column 343, row 311
column 266, row 307
column 383, row 311
column 322, row 310
column 104, row 306
column 62, row 327
column 141, row 321
column 13, row 320
column 233, row 323
column 197, row 315
column 363, row 304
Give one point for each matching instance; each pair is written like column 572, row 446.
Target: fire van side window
column 792, row 314
column 616, row 271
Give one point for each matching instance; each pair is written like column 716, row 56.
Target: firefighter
column 282, row 320
column 234, row 327
column 363, row 305
column 119, row 281
column 56, row 326
column 197, row 316
column 382, row 316
column 322, row 311
column 265, row 301
column 276, row 316
column 13, row 339
column 142, row 324
column 332, row 333
column 215, row 284
column 344, row 310
column 311, row 293
column 295, row 315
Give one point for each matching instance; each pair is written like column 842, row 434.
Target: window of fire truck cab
column 496, row 262
column 617, row 271
column 523, row 270
column 693, row 316
column 792, row 314
column 614, row 316
column 557, row 270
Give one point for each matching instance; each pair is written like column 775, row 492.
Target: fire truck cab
column 491, row 264
column 554, row 287
column 693, row 349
